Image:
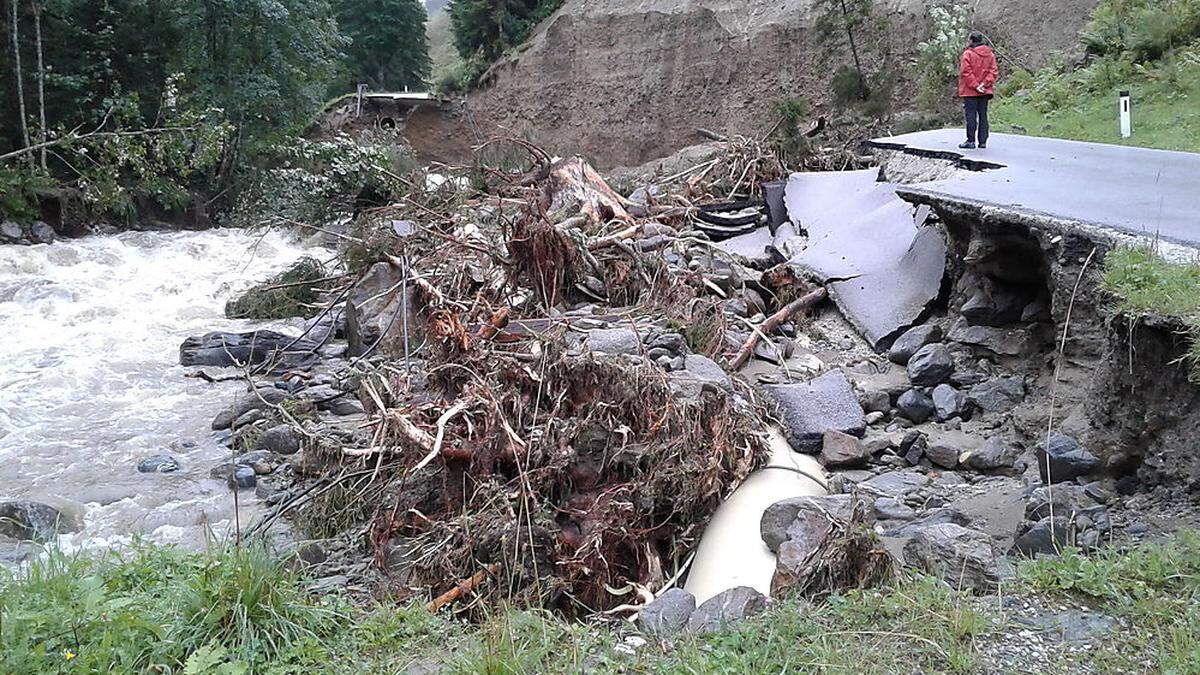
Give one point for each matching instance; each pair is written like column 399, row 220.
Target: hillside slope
column 626, row 82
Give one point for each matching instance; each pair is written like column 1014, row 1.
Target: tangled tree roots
column 581, row 477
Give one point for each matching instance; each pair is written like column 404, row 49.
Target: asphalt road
column 1133, row 190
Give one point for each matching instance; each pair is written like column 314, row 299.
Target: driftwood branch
column 773, row 322
column 464, row 587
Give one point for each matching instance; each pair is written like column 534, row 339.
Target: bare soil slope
column 629, row 81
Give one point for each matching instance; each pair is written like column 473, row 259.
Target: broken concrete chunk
column 725, row 608
column 962, row 557
column 911, row 340
column 998, row 395
column 840, row 450
column 814, row 407
column 931, row 365
column 667, row 614
column 1061, row 458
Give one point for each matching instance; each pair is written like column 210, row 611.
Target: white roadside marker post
column 1126, row 120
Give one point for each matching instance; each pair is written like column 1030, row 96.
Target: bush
column 290, row 293
column 937, row 58
column 788, row 139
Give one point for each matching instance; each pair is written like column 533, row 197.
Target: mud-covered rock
column 962, row 557
column 1062, row 458
column 931, row 365
column 911, row 340
column 725, row 608
column 667, row 614
column 810, row 409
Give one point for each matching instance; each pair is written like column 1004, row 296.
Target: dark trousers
column 975, row 110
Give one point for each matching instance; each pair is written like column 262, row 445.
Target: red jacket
column 978, row 66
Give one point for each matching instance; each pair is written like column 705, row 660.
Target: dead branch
column 464, row 587
column 773, row 322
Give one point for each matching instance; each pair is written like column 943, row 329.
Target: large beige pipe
column 731, row 552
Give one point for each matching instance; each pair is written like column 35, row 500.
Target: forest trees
column 485, row 29
column 388, row 48
column 160, row 100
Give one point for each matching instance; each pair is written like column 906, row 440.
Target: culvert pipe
column 731, row 551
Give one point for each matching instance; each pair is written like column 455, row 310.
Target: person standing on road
column 976, row 83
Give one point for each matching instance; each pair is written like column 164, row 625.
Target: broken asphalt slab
column 881, row 266
column 1132, row 190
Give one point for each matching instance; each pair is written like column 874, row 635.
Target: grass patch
column 1155, row 588
column 1145, row 283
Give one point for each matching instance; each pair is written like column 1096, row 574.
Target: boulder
column 667, row 614
column 260, row 398
column 995, row 453
column 158, row 464
column 949, row 402
column 810, row 409
column 890, row 508
column 224, row 350
column 41, row 233
column 931, row 365
column 725, row 608
column 11, row 232
column 614, row 341
column 962, row 557
column 1061, row 458
column 911, row 340
column 381, row 311
column 31, row 521
column 281, row 440
column 840, row 450
column 242, row 477
column 915, row 405
column 997, row 395
column 942, row 516
column 876, row 401
column 802, row 519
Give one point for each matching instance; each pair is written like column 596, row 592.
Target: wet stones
column 725, row 608
column 911, row 340
column 262, row 397
column 1061, row 458
column 158, row 464
column 242, row 477
column 962, row 557
column 11, row 232
column 667, row 614
column 223, row 350
column 382, row 311
column 810, row 409
column 282, row 440
column 31, row 521
column 930, row 365
column 41, row 233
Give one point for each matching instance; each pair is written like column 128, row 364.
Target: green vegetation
column 1145, row 283
column 125, row 105
column 842, row 24
column 485, row 29
column 238, row 611
column 292, row 292
column 1150, row 48
column 937, row 60
column 388, row 48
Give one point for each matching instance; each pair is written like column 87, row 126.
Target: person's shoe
column 983, row 146
column 967, row 146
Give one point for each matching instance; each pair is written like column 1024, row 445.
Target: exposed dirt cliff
column 629, row 81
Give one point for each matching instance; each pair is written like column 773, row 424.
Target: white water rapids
column 90, row 380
